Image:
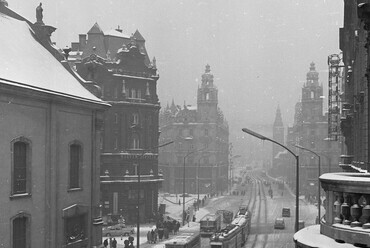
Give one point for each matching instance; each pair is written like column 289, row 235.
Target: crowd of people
column 164, row 227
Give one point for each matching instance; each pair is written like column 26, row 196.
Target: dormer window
column 133, row 93
column 139, row 94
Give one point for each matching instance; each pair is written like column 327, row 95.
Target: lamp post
column 138, row 194
column 231, row 176
column 183, row 181
column 261, row 137
column 318, row 178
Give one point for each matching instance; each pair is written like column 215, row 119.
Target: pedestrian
column 148, row 237
column 152, row 236
column 114, row 243
column 105, row 243
column 155, row 236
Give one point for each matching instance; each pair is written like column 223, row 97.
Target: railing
column 130, row 178
column 347, row 206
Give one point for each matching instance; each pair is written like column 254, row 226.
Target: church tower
column 207, row 98
column 312, row 102
column 278, row 134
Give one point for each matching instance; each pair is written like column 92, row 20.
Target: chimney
column 119, row 29
column 82, row 40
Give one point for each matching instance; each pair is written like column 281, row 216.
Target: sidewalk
column 173, row 210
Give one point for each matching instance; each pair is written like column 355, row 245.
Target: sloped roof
column 95, row 29
column 138, row 36
column 25, row 61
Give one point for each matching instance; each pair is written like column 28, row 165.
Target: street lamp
column 138, row 194
column 231, row 174
column 318, row 178
column 183, row 180
column 261, row 137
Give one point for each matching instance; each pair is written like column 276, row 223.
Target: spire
column 173, row 106
column 278, row 120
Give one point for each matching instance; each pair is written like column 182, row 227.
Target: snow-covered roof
column 116, row 33
column 25, row 61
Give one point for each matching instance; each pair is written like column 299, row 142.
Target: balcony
column 347, row 217
column 127, row 178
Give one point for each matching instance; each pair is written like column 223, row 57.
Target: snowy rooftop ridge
column 24, row 60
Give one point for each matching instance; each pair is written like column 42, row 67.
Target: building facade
column 50, row 131
column 347, row 198
column 200, row 152
column 310, row 130
column 119, row 64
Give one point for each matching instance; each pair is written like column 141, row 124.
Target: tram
column 187, row 237
column 233, row 235
column 210, row 224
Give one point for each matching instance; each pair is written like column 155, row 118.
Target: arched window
column 20, row 231
column 75, row 164
column 312, row 95
column 21, row 166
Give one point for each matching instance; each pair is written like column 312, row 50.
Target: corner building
column 119, row 64
column 49, row 142
column 201, row 136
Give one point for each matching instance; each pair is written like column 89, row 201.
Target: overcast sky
column 259, row 51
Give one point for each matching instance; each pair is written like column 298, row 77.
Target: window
column 206, row 132
column 139, row 94
column 75, row 228
column 20, row 231
column 135, row 141
column 75, row 165
column 133, row 93
column 135, row 118
column 116, row 118
column 132, row 194
column 207, row 96
column 21, row 166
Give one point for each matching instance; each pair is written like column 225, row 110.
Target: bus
column 233, row 235
column 210, row 224
column 187, row 237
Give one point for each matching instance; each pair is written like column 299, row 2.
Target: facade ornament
column 147, row 92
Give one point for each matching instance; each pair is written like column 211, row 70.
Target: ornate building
column 49, row 146
column 201, row 144
column 119, row 64
column 347, row 203
column 310, row 130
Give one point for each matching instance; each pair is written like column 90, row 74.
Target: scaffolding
column 334, row 91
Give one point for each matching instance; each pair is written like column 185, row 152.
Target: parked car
column 118, row 230
column 285, row 212
column 279, row 223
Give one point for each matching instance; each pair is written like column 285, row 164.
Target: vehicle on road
column 243, row 210
column 279, row 223
column 233, row 235
column 117, row 230
column 285, row 212
column 210, row 224
column 227, row 216
column 188, row 236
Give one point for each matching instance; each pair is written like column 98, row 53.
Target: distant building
column 310, row 130
column 50, row 130
column 119, row 64
column 201, row 136
column 277, row 135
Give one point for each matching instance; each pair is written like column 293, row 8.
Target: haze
column 259, row 51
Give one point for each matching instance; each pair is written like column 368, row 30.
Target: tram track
column 259, row 211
